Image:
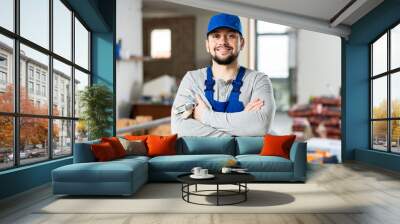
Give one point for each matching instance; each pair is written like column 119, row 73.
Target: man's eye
column 216, row 36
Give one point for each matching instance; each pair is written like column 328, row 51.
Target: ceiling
column 318, row 9
column 326, row 16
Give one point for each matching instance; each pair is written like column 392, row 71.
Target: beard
column 225, row 61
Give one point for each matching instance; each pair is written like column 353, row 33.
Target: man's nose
column 223, row 39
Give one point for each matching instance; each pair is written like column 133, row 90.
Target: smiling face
column 224, row 45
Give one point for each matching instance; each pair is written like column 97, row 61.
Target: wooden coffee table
column 238, row 179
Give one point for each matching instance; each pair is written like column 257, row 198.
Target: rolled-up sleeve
column 247, row 123
column 190, row 127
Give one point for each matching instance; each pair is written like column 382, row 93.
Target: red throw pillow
column 277, row 145
column 136, row 137
column 103, row 151
column 116, row 145
column 161, row 145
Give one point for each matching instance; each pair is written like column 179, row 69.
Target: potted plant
column 96, row 104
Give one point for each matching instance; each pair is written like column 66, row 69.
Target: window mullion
column 50, row 81
column 16, row 84
column 73, row 82
column 389, row 106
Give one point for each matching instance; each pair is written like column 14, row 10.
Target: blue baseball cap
column 224, row 20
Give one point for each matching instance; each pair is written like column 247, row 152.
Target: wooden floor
column 377, row 188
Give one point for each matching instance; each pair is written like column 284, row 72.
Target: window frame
column 388, row 74
column 16, row 115
column 259, row 34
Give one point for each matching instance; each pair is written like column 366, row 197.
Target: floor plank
column 376, row 190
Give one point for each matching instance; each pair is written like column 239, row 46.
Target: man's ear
column 241, row 43
column 207, row 46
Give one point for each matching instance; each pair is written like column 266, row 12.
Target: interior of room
column 84, row 71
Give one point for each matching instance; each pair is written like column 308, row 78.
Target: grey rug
column 166, row 198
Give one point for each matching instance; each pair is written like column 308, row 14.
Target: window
column 160, row 45
column 81, row 45
column 385, row 94
column 3, row 72
column 30, row 87
column 3, row 78
column 6, row 73
column 273, row 49
column 30, row 73
column 34, row 21
column 54, row 126
column 7, row 14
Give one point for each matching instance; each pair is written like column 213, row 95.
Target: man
column 230, row 100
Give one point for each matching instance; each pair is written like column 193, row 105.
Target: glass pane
column 62, row 29
column 62, row 89
column 160, row 43
column 33, row 139
column 35, row 21
column 379, row 98
column 379, row 55
column 395, row 136
column 34, row 92
column 81, row 45
column 395, row 94
column 6, row 74
column 395, row 47
column 6, row 142
column 273, row 55
column 62, row 138
column 379, row 135
column 7, row 14
column 81, row 131
column 81, row 81
column 265, row 27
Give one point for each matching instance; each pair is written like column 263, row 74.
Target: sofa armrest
column 298, row 155
column 83, row 152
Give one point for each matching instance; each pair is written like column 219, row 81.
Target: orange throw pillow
column 116, row 145
column 277, row 145
column 136, row 137
column 161, row 145
column 103, row 151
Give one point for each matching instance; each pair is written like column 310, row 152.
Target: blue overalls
column 233, row 104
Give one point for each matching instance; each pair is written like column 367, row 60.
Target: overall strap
column 237, row 84
column 209, row 92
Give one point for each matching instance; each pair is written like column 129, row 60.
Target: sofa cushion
column 185, row 163
column 111, row 171
column 116, row 145
column 161, row 145
column 134, row 147
column 275, row 145
column 257, row 163
column 103, row 152
column 206, row 145
column 83, row 152
column 249, row 145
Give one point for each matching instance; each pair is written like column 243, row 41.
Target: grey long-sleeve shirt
column 253, row 123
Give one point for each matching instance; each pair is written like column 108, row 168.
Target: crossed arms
column 255, row 120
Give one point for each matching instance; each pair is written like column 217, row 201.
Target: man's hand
column 200, row 108
column 254, row 105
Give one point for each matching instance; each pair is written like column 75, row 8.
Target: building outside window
column 30, row 87
column 3, row 72
column 385, row 94
column 56, row 128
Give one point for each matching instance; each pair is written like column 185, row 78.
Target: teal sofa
column 125, row 176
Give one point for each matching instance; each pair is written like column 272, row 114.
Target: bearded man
column 227, row 99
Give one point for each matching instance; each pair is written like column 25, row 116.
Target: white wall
column 319, row 65
column 129, row 73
